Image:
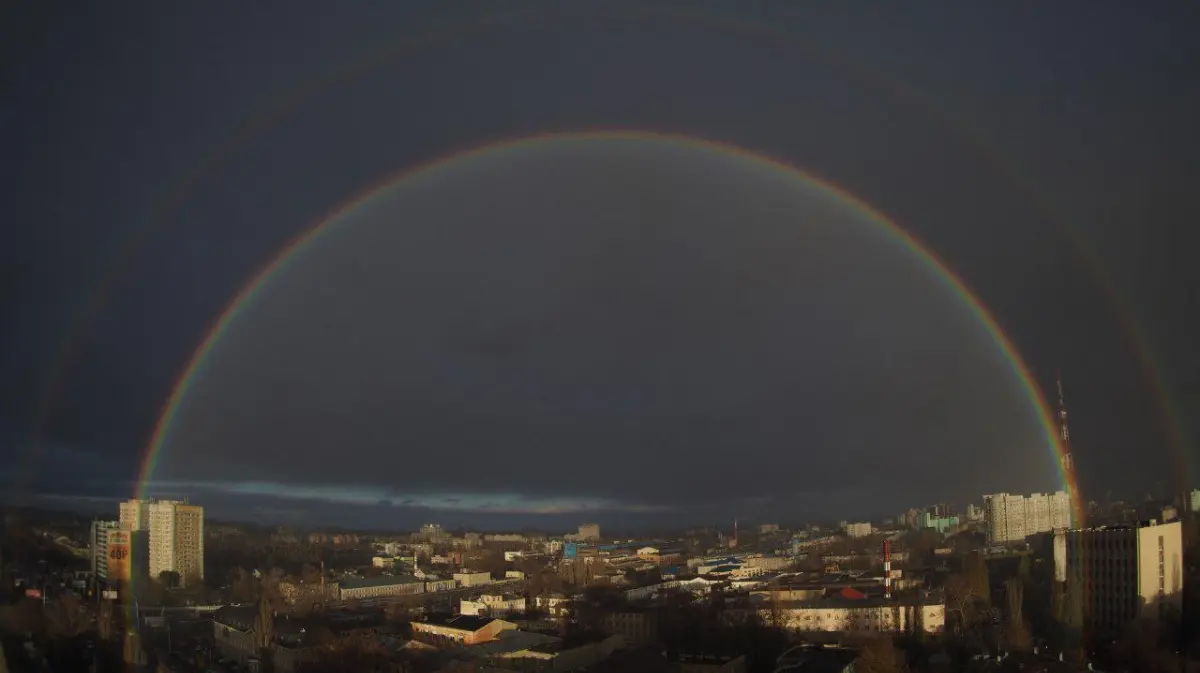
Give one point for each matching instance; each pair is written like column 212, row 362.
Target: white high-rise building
column 1005, row 516
column 974, row 513
column 99, row 546
column 1010, row 518
column 135, row 514
column 177, row 539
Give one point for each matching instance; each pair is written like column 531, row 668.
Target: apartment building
column 471, row 578
column 1011, row 518
column 99, row 546
column 360, row 588
column 135, row 514
column 858, row 529
column 495, row 605
column 176, row 539
column 861, row 615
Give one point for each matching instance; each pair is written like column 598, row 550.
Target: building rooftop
column 381, row 581
column 820, row 660
column 839, row 601
column 715, row 659
column 460, row 622
column 512, row 640
column 243, row 617
column 572, row 641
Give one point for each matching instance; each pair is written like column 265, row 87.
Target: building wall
column 1124, row 574
column 939, row 523
column 894, row 618
column 135, row 514
column 1160, row 568
column 435, row 585
column 858, row 529
column 293, row 591
column 240, row 646
column 493, row 607
column 786, row 595
column 589, row 532
column 381, row 590
column 99, row 546
column 501, row 605
column 505, row 537
column 1010, row 518
column 176, row 539
column 473, row 579
column 1005, row 516
column 1060, row 556
column 461, row 637
column 556, row 606
column 769, row 562
column 635, row 627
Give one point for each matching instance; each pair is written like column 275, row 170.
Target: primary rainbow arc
column 243, row 298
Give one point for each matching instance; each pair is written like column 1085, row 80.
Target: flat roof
column 470, row 623
column 381, row 581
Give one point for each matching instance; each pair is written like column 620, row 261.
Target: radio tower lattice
column 1068, row 459
column 1064, row 433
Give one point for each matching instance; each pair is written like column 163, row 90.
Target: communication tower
column 1064, row 433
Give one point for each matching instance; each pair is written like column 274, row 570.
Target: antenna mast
column 1064, row 433
column 1068, row 459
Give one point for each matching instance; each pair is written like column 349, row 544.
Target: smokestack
column 887, row 569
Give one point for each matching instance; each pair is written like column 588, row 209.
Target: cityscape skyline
column 607, row 335
column 301, row 519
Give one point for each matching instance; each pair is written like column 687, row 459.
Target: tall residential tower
column 175, row 535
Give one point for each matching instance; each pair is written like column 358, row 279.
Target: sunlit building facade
column 1011, row 518
column 135, row 514
column 177, row 540
column 99, row 546
column 862, row 529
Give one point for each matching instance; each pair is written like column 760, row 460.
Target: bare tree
column 976, row 572
column 170, row 579
column 1139, row 649
column 24, row 616
column 352, row 654
column 66, row 617
column 1017, row 632
column 244, row 586
column 965, row 603
column 776, row 617
column 880, row 655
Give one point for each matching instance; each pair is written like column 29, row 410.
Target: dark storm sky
column 684, row 358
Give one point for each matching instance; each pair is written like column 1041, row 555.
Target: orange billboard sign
column 119, row 553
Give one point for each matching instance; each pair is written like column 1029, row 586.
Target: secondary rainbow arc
column 243, row 298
